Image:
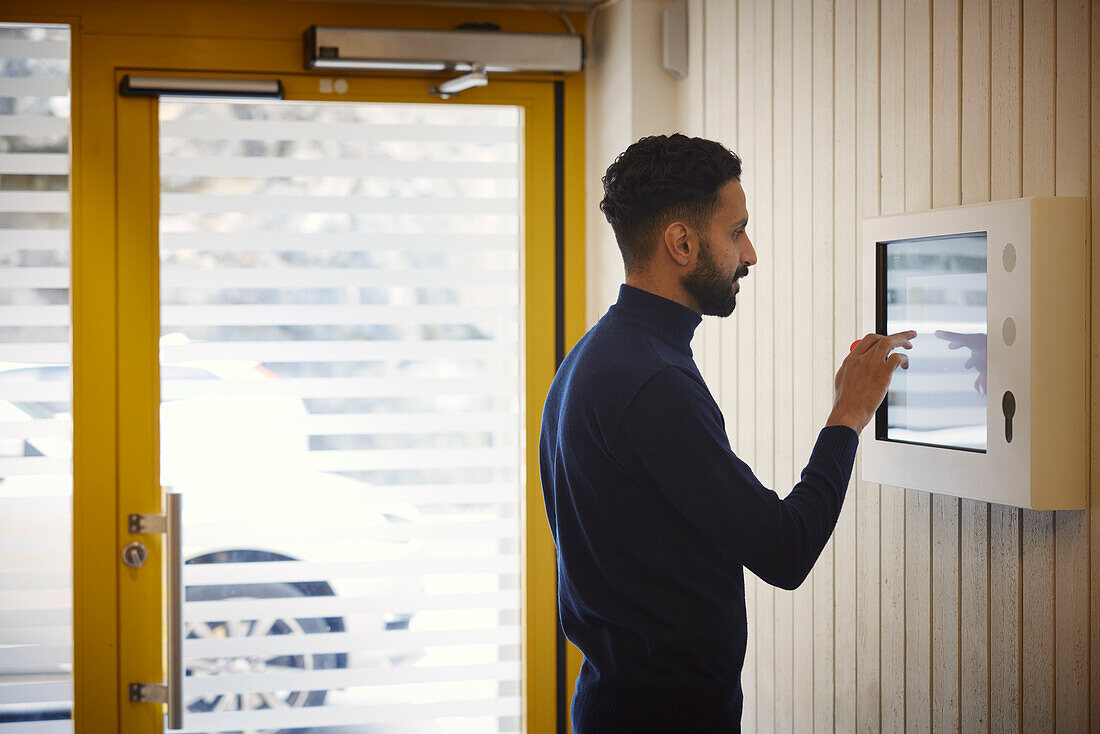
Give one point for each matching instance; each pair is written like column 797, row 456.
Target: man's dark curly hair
column 659, row 179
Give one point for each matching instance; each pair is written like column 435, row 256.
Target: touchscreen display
column 936, row 286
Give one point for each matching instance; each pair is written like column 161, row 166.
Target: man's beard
column 710, row 287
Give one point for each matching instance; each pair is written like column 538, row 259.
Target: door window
column 341, row 374
column 36, row 484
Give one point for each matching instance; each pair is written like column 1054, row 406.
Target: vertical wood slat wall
column 925, row 612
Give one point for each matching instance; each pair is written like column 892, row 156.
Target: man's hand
column 864, row 376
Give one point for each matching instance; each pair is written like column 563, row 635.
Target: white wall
column 629, row 96
column 925, row 612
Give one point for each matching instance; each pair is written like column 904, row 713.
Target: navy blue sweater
column 655, row 518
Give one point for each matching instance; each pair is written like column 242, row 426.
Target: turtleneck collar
column 674, row 324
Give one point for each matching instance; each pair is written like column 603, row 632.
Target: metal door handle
column 171, row 692
column 175, row 612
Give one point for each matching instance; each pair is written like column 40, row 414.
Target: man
column 653, row 515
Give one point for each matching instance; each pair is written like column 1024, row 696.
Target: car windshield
column 268, row 426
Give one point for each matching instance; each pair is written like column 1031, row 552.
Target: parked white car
column 250, row 495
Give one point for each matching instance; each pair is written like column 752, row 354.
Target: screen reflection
column 937, row 287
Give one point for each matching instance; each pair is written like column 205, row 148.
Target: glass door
column 36, row 421
column 341, row 411
column 342, row 298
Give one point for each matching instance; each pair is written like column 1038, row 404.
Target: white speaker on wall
column 674, row 32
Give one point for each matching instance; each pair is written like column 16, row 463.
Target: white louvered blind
column 36, row 649
column 341, row 367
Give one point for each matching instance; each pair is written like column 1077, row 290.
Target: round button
column 1008, row 257
column 1008, row 331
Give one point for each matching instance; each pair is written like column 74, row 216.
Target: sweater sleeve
column 672, row 438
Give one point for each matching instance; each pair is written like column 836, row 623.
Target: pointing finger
column 905, row 335
column 892, row 342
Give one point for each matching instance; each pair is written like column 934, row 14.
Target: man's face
column 725, row 255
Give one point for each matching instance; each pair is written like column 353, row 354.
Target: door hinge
column 148, row 693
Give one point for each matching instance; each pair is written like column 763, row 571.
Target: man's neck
column 664, row 289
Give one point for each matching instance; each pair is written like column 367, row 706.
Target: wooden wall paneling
column 715, row 68
column 722, row 97
column 844, row 312
column 1037, row 660
column 918, row 196
column 1004, row 522
column 1094, row 428
column 975, row 100
column 974, row 520
column 783, row 328
column 918, row 105
column 924, row 612
column 745, row 377
column 918, row 705
column 764, row 464
column 973, row 616
column 892, row 105
column 784, row 344
column 945, row 509
column 763, row 166
column 945, row 613
column 924, row 620
column 893, row 673
column 746, row 299
column 781, row 247
column 892, row 499
column 722, row 79
column 868, row 587
column 706, row 347
column 1038, row 98
column 822, row 336
column 1004, row 619
column 1071, row 631
column 1037, row 633
column 720, row 124
column 806, row 424
column 1071, row 529
column 1005, row 92
column 946, row 112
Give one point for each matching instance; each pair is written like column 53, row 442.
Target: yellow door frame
column 140, row 591
column 115, row 292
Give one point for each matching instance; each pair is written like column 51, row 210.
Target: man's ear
column 676, row 240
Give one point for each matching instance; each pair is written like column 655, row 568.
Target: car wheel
column 258, row 628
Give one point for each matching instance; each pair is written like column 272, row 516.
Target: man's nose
column 749, row 256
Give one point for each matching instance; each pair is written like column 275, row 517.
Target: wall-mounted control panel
column 995, row 403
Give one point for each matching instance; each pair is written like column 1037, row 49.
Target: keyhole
column 134, row 554
column 1008, row 405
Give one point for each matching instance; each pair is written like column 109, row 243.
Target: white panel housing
column 1045, row 292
